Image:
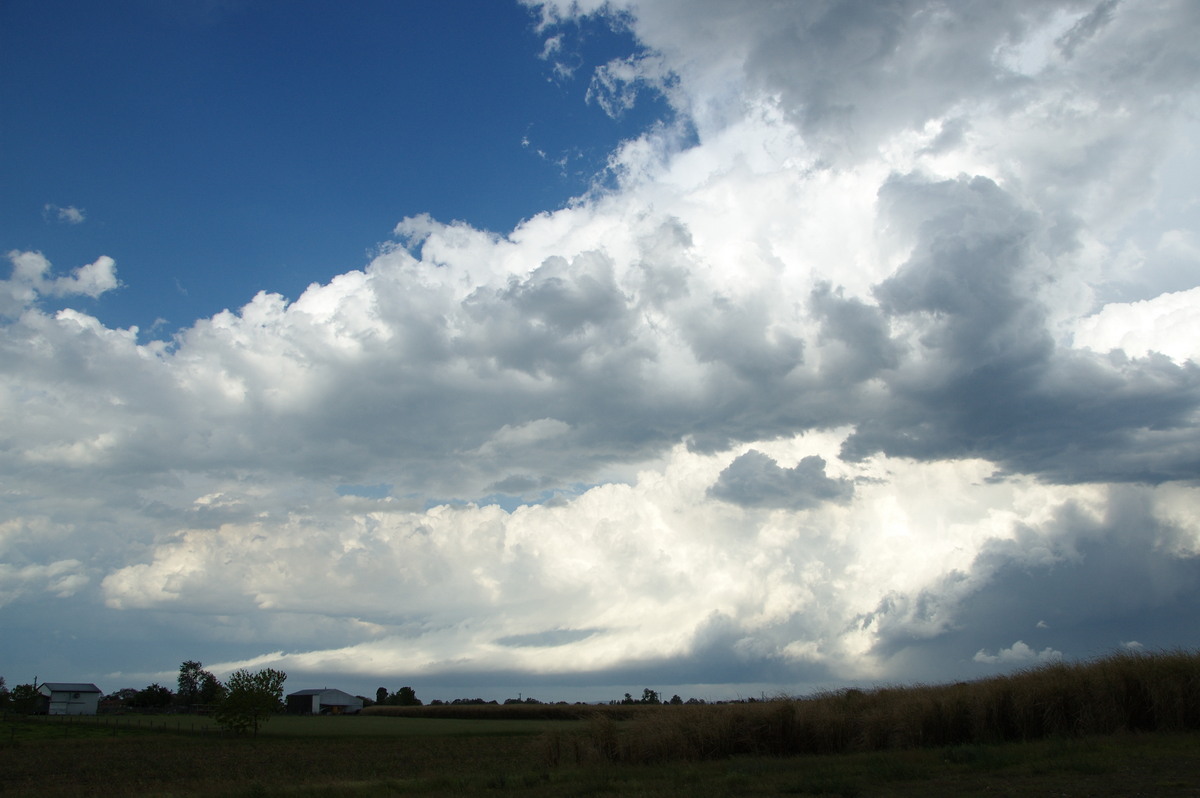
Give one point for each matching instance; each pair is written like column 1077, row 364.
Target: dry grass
column 1119, row 693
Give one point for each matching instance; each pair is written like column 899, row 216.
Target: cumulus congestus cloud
column 864, row 368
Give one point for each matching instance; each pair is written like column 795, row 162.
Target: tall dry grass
column 1120, row 692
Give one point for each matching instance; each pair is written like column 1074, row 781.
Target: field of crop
column 1123, row 725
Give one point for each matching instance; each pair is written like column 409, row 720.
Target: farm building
column 322, row 702
column 69, row 698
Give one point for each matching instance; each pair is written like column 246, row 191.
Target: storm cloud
column 864, row 366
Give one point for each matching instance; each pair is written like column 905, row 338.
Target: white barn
column 69, row 698
column 323, row 702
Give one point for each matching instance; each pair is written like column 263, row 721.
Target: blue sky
column 220, row 149
column 572, row 348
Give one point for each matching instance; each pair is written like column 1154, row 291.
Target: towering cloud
column 862, row 368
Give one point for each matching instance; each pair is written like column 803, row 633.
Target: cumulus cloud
column 873, row 296
column 1018, row 653
column 30, row 280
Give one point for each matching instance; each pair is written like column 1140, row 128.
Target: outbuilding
column 69, row 698
column 323, row 702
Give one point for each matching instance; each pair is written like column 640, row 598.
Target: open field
column 170, row 764
column 1123, row 725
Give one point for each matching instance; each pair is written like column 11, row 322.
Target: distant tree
column 407, row 697
column 197, row 686
column 3, row 694
column 211, row 689
column 649, row 697
column 188, row 684
column 675, row 699
column 153, row 696
column 250, row 700
column 24, row 699
column 381, row 695
column 126, row 695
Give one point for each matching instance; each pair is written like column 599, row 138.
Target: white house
column 323, row 702
column 69, row 698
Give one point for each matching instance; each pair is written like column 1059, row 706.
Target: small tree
column 381, row 695
column 251, row 699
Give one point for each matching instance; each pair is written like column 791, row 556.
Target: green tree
column 211, row 689
column 198, row 686
column 381, row 695
column 189, row 682
column 153, row 696
column 24, row 698
column 250, row 700
column 407, row 697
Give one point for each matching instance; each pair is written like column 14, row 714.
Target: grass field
column 1124, row 725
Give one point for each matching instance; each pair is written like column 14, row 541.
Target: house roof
column 70, row 687
column 327, row 694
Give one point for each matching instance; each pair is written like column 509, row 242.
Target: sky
column 566, row 349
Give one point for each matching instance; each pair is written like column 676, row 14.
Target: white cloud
column 1018, row 653
column 30, row 280
column 69, row 214
column 798, row 395
column 1168, row 324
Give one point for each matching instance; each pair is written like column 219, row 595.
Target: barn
column 323, row 702
column 69, row 698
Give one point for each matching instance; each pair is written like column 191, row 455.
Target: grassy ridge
column 1119, row 693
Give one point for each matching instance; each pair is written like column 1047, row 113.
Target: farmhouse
column 69, row 698
column 323, row 702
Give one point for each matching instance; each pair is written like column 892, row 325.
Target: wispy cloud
column 68, row 214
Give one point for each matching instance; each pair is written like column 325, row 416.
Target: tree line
column 239, row 705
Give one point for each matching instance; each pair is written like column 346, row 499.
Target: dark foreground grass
column 163, row 764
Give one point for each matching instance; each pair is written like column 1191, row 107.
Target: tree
column 211, row 689
column 381, row 695
column 189, row 682
column 154, row 696
column 24, row 699
column 198, row 686
column 407, row 697
column 3, row 694
column 251, row 699
column 649, row 697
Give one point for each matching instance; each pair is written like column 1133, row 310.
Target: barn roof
column 327, row 693
column 70, row 687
